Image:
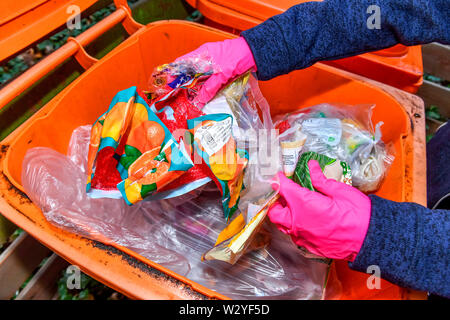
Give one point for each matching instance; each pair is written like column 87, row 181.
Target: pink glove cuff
column 244, row 55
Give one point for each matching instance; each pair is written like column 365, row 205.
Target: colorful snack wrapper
column 172, row 88
column 132, row 154
column 237, row 238
column 213, row 142
column 170, row 76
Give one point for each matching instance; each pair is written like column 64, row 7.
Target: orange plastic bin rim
column 131, row 63
column 22, row 22
column 403, row 64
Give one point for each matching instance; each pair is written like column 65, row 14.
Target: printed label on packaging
column 328, row 130
column 213, row 137
column 290, row 151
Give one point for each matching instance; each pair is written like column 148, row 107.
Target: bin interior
column 161, row 42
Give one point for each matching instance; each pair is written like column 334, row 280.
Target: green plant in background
column 10, row 239
column 436, row 80
column 429, row 135
column 12, row 68
column 60, row 38
column 90, row 289
column 29, row 278
column 195, row 16
column 433, row 115
column 432, row 112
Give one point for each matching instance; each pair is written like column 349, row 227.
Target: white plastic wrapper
column 173, row 233
column 256, row 136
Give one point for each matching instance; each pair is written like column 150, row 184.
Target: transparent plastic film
column 170, row 76
column 341, row 132
column 250, row 189
column 173, row 232
column 239, row 236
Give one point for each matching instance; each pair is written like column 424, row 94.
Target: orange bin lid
column 22, row 22
column 402, row 65
column 260, row 9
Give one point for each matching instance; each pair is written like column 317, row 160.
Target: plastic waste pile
column 188, row 186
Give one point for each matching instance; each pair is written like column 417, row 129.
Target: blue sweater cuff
column 409, row 244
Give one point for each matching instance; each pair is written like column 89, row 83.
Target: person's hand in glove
column 331, row 223
column 231, row 58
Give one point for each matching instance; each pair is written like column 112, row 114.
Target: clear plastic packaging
column 79, row 146
column 254, row 138
column 346, row 133
column 239, row 148
column 173, row 232
column 170, row 76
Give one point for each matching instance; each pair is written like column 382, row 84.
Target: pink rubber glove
column 331, row 223
column 232, row 57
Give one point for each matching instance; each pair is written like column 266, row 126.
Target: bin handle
column 73, row 47
column 130, row 25
column 83, row 58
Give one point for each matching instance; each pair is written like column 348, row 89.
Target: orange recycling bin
column 398, row 66
column 131, row 63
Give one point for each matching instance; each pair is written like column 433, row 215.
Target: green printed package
column 332, row 169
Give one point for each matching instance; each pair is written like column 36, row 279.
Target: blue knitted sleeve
column 410, row 245
column 438, row 170
column 334, row 29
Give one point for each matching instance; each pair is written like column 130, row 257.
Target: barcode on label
column 214, row 137
column 209, row 141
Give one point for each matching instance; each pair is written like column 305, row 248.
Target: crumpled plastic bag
column 173, row 233
column 223, row 133
column 342, row 132
column 254, row 144
column 53, row 182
